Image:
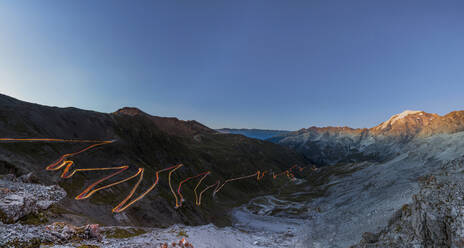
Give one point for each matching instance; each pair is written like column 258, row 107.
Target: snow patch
column 400, row 116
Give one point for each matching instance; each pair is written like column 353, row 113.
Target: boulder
column 18, row 199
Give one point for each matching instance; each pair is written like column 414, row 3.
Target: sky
column 238, row 64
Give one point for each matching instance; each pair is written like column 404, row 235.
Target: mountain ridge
column 330, row 145
column 171, row 125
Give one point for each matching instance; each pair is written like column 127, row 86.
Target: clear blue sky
column 256, row 64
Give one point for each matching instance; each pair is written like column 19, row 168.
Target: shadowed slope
column 143, row 141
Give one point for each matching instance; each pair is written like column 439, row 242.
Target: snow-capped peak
column 408, row 112
column 399, row 116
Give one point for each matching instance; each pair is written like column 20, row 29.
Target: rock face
column 331, row 145
column 435, row 218
column 19, row 199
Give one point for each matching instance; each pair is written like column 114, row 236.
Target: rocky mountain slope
column 261, row 134
column 332, row 145
column 376, row 174
column 364, row 196
column 434, row 218
column 142, row 141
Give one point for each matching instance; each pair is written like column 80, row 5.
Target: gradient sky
column 254, row 64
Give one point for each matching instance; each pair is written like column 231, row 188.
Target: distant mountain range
column 331, row 145
column 261, row 134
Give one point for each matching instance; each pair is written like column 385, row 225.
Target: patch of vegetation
column 406, row 210
column 34, row 219
column 7, row 168
column 55, row 209
column 182, row 233
column 73, row 185
column 33, row 243
column 3, row 217
column 104, row 198
column 119, row 233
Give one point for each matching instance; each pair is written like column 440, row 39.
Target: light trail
column 219, row 186
column 260, row 175
column 196, row 187
column 64, row 163
column 87, row 192
column 57, row 140
column 170, row 186
column 288, row 172
column 180, row 185
column 119, row 208
column 204, row 190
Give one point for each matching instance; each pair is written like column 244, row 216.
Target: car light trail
column 170, row 186
column 219, row 186
column 204, row 190
column 197, row 200
column 179, row 204
column 64, row 163
column 119, row 208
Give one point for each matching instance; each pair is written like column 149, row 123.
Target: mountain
column 331, row 145
column 398, row 184
column 261, row 134
column 139, row 140
column 170, row 125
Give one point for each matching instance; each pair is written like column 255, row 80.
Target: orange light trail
column 180, row 185
column 196, row 187
column 288, row 172
column 170, row 186
column 65, row 164
column 119, row 208
column 87, row 192
column 57, row 140
column 219, row 186
column 260, row 175
column 203, row 191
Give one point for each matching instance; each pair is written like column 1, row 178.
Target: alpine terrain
column 149, row 181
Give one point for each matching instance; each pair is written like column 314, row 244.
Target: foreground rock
column 18, row 199
column 17, row 235
column 435, row 218
column 62, row 235
column 206, row 236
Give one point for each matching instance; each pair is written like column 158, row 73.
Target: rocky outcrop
column 63, row 235
column 17, row 235
column 18, row 199
column 435, row 218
